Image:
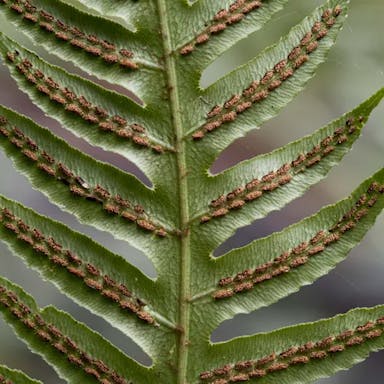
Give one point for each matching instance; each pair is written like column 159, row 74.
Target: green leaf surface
column 201, row 18
column 95, row 278
column 71, row 112
column 338, row 136
column 274, row 91
column 79, row 194
column 92, row 43
column 173, row 131
column 342, row 350
column 15, row 377
column 74, row 350
column 276, row 266
column 130, row 14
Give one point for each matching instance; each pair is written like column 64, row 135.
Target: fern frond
column 278, row 265
column 137, row 93
column 299, row 354
column 134, row 15
column 103, row 282
column 10, row 376
column 253, row 188
column 86, row 109
column 214, row 28
column 77, row 353
column 93, row 191
column 98, row 46
column 255, row 92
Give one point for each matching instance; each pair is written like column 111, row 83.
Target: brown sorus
column 145, row 224
column 44, row 335
column 235, row 18
column 220, row 212
column 336, row 348
column 331, row 238
column 253, row 195
column 374, row 334
column 206, row 375
column 31, row 155
column 266, row 360
column 17, row 8
column 289, row 352
column 112, row 209
column 355, row 340
column 217, row 28
column 318, row 355
column 145, row 316
column 186, row 50
column 59, row 260
column 243, row 287
column 316, row 250
column 299, row 360
column 126, row 304
column 277, row 367
column 224, row 370
column 111, row 295
column 366, row 327
column 205, row 219
column 92, row 371
column 77, row 272
column 299, row 160
column 223, row 293
column 203, row 38
column 141, row 140
column 129, row 216
column 161, row 232
column 75, row 360
column 257, row 373
column 94, row 284
column 110, row 58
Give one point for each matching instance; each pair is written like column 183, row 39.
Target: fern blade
column 254, row 187
column 299, row 354
column 102, row 117
column 11, row 376
column 214, row 28
column 255, row 92
column 301, row 254
column 78, row 354
column 95, row 278
column 131, row 15
column 174, row 134
column 121, row 57
column 119, row 202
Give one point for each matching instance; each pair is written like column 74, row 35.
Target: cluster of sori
column 295, row 355
column 301, row 254
column 65, row 259
column 260, row 89
column 80, row 106
column 221, row 21
column 53, row 336
column 72, row 35
column 255, row 189
column 45, row 162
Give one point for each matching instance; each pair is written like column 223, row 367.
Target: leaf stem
column 182, row 183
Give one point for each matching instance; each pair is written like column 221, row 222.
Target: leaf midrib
column 182, row 185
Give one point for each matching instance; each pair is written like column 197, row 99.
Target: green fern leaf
column 137, row 93
column 303, row 353
column 79, row 354
column 12, row 376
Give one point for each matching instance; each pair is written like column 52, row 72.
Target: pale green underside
column 172, row 107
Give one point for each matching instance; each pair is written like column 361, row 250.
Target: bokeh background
column 354, row 70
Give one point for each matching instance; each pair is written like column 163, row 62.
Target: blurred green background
column 354, row 70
